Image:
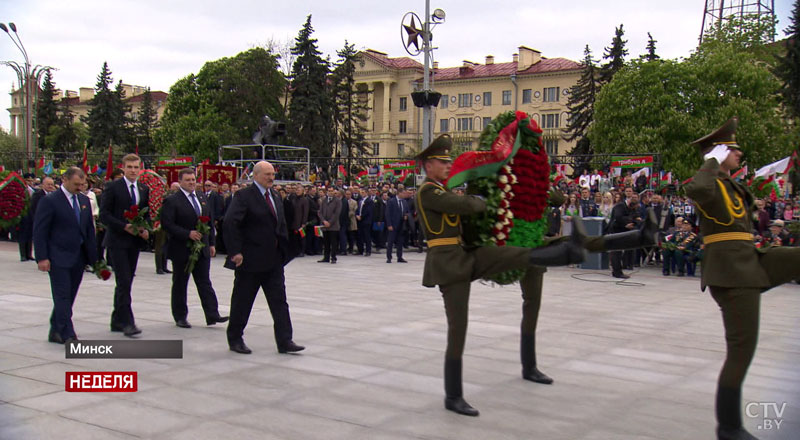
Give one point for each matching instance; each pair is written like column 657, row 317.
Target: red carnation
column 204, row 218
column 129, row 215
column 134, row 209
column 105, row 274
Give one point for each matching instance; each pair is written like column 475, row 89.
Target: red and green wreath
column 13, row 199
column 158, row 187
column 511, row 170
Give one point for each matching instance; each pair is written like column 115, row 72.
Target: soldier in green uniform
column 734, row 270
column 453, row 267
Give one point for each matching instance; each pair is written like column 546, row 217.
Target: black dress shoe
column 290, row 347
column 333, row 261
column 534, row 375
column 324, row 260
column 459, row 405
column 116, row 328
column 159, row 272
column 400, row 260
column 239, row 347
column 55, row 338
column 182, row 323
column 131, row 330
column 216, row 320
column 388, row 261
column 167, row 270
column 621, row 276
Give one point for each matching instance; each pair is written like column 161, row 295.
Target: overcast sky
column 156, row 42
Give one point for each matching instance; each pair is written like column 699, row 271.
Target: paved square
column 629, row 362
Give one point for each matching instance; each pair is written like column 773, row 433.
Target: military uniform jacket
column 725, row 206
column 439, row 212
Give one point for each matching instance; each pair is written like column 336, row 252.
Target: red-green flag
column 110, row 163
column 85, row 163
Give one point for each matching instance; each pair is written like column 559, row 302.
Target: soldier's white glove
column 720, row 152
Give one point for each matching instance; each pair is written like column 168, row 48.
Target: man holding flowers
column 185, row 216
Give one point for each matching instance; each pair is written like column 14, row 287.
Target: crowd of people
column 623, row 207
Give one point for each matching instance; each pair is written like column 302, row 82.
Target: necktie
column 400, row 204
column 133, row 195
column 269, row 202
column 194, row 203
column 76, row 208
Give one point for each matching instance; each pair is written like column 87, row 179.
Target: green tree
column 232, row 94
column 62, row 136
column 106, row 118
column 581, row 105
column 788, row 65
column 351, row 107
column 651, row 48
column 46, row 110
column 12, row 155
column 661, row 107
column 615, row 54
column 145, row 124
column 311, row 107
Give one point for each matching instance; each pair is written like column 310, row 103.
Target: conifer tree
column 106, row 118
column 581, row 104
column 351, row 107
column 651, row 49
column 311, row 107
column 47, row 110
column 788, row 67
column 615, row 54
column 145, row 124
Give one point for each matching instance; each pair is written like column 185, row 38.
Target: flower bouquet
column 137, row 218
column 101, row 269
column 195, row 247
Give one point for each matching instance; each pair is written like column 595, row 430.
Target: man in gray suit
column 329, row 211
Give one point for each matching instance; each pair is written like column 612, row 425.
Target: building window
column 390, row 104
column 526, row 96
column 376, row 149
column 403, row 104
column 486, row 122
column 550, row 120
column 464, row 124
column 443, row 102
column 403, row 126
column 487, row 98
column 465, row 99
column 401, row 150
column 506, row 97
column 551, row 146
column 551, row 94
column 444, row 125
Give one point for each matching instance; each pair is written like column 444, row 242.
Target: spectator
column 570, row 209
column 763, row 217
column 586, row 205
column 352, row 224
column 606, row 205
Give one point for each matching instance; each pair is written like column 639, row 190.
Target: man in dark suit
column 25, row 228
column 364, row 219
column 396, row 216
column 329, row 210
column 48, row 186
column 257, row 240
column 123, row 240
column 622, row 220
column 300, row 205
column 63, row 234
column 179, row 216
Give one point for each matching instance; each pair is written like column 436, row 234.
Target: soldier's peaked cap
column 438, row 149
column 726, row 134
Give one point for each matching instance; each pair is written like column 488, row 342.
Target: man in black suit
column 123, row 240
column 329, row 210
column 364, row 219
column 25, row 228
column 396, row 216
column 257, row 240
column 179, row 216
column 63, row 234
column 622, row 220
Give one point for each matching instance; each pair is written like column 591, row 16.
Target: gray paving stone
column 629, row 362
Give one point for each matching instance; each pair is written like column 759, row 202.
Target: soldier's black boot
column 729, row 415
column 527, row 354
column 454, row 396
column 159, row 264
column 566, row 252
column 634, row 239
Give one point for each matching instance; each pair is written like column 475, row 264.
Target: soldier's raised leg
column 531, row 285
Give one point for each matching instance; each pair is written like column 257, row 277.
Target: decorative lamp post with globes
column 410, row 34
column 29, row 78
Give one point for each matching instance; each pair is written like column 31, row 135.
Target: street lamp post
column 26, row 74
column 426, row 98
